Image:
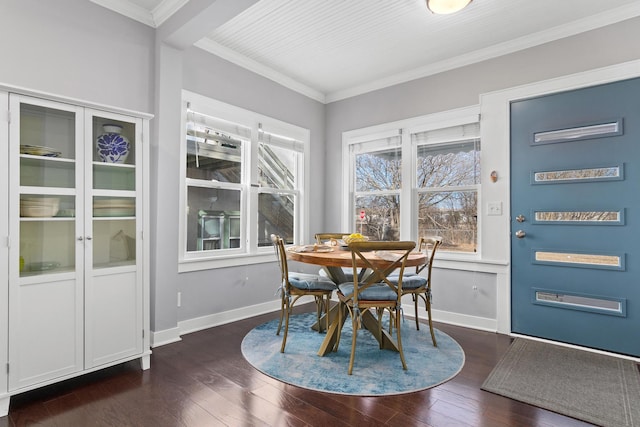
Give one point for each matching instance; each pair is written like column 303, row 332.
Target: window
column 215, row 155
column 419, row 177
column 448, row 178
column 243, row 180
column 278, row 166
column 377, row 168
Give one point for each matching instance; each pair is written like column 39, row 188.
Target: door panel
column 45, row 315
column 574, row 167
column 114, row 328
column 113, row 277
column 49, row 342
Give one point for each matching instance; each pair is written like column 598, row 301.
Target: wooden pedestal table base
column 369, row 322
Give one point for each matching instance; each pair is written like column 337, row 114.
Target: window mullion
column 472, row 187
column 213, row 184
column 251, row 180
column 408, row 226
column 377, row 193
column 278, row 191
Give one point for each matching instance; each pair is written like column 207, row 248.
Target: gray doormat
column 592, row 387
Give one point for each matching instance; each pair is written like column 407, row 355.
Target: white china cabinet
column 77, row 275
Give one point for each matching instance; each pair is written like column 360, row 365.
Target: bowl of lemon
column 354, row 237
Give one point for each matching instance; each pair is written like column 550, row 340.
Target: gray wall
column 77, row 49
column 469, row 293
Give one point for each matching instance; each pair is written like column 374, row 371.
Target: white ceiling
column 333, row 49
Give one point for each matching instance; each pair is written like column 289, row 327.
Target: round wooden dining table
column 333, row 259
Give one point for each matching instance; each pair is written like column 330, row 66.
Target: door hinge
column 9, row 116
column 143, row 334
column 7, row 368
column 8, row 241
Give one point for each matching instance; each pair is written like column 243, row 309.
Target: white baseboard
column 217, row 319
column 165, row 337
column 169, row 336
column 172, row 335
column 457, row 319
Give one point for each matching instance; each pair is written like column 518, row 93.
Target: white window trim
column 404, row 128
column 251, row 254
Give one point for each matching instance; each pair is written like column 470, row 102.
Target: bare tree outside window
column 447, row 197
column 378, row 182
column 381, row 219
column 451, row 215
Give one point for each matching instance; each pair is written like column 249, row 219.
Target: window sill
column 198, row 264
column 470, row 262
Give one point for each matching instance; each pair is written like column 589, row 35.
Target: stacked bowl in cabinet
column 114, row 207
column 39, row 206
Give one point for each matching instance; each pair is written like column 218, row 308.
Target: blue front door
column 575, row 226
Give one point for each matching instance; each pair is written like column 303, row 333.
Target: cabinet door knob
column 80, row 239
column 89, row 237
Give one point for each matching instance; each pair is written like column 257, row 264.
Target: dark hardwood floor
column 204, row 381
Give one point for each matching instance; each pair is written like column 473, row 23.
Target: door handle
column 520, row 234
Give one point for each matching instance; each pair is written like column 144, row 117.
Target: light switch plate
column 494, row 208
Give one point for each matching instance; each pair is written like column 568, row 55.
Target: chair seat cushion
column 311, row 282
column 377, row 292
column 411, row 281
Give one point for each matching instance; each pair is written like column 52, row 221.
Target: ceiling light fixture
column 444, row 7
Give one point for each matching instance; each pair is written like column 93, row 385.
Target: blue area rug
column 375, row 372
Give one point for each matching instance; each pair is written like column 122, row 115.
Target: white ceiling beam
column 197, row 18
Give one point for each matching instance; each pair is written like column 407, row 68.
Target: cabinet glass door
column 45, row 289
column 113, row 195
column 113, row 279
column 48, row 199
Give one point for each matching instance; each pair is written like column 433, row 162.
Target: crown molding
column 129, row 10
column 166, row 9
column 153, row 18
column 260, row 69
